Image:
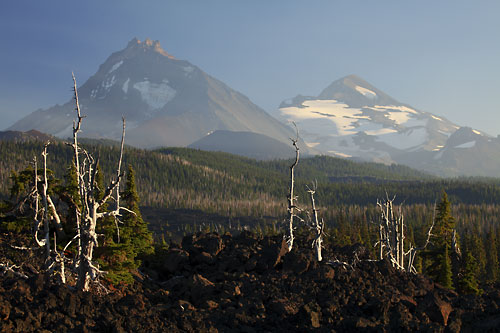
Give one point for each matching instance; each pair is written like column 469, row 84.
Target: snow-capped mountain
column 166, row 102
column 353, row 119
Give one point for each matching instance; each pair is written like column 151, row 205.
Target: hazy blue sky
column 438, row 56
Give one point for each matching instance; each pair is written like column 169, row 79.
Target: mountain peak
column 356, row 92
column 149, row 45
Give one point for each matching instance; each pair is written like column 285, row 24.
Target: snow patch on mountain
column 108, row 83
column 469, row 144
column 156, row 95
column 393, row 107
column 341, row 115
column 410, row 138
column 366, row 92
column 188, row 70
column 115, row 66
column 399, row 117
column 125, row 85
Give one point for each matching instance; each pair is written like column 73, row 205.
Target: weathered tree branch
column 316, row 225
column 291, row 198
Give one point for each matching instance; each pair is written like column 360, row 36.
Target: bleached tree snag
column 391, row 233
column 10, row 268
column 454, row 244
column 86, row 172
column 118, row 173
column 56, row 218
column 45, row 202
column 36, row 198
column 412, row 252
column 291, row 197
column 76, row 129
column 316, row 225
column 59, row 260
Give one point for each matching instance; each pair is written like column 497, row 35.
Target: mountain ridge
column 351, row 118
column 166, row 101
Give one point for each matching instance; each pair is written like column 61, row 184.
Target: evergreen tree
column 492, row 268
column 440, row 267
column 445, row 223
column 121, row 256
column 478, row 252
column 444, row 277
column 467, row 283
column 135, row 229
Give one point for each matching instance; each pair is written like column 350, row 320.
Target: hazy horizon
column 439, row 57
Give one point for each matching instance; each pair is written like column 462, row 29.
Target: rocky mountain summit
column 244, row 283
column 166, row 101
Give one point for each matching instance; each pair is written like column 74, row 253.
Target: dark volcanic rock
column 175, row 261
column 250, row 284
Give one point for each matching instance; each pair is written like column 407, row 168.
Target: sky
column 441, row 56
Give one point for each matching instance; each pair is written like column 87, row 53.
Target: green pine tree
column 135, row 229
column 121, row 256
column 440, row 268
column 492, row 266
column 467, row 284
column 445, row 277
column 445, row 223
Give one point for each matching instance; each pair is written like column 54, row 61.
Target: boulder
column 175, row 261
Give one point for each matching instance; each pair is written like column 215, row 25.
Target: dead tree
column 86, row 171
column 291, row 198
column 48, row 212
column 392, row 236
column 412, row 252
column 317, row 226
column 45, row 188
column 391, row 233
column 37, row 222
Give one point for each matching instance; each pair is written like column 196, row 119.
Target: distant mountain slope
column 166, row 101
column 232, row 185
column 247, row 144
column 19, row 136
column 353, row 119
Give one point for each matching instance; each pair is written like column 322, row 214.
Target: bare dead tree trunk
column 391, row 235
column 118, row 174
column 381, row 241
column 36, row 199
column 454, row 244
column 412, row 252
column 76, row 129
column 291, row 197
column 317, row 226
column 45, row 202
column 89, row 214
column 401, row 250
column 56, row 218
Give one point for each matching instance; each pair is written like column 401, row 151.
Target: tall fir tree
column 445, row 223
column 120, row 256
column 492, row 266
column 445, row 277
column 135, row 229
column 467, row 283
column 440, row 268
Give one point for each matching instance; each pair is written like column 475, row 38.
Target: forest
column 183, row 190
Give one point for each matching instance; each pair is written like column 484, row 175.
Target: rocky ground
column 213, row 283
